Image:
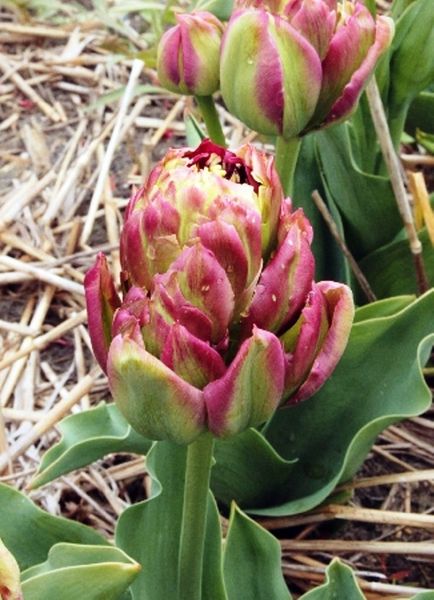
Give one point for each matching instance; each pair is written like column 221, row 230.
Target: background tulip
column 189, row 55
column 290, row 67
column 220, row 320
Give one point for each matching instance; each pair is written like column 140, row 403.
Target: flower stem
column 286, row 160
column 192, row 540
column 211, row 118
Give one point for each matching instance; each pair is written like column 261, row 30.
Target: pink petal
column 101, row 301
column 316, row 22
column 347, row 102
column 251, row 388
column 285, row 281
column 339, row 300
column 301, row 342
column 154, row 400
column 347, row 51
column 191, row 358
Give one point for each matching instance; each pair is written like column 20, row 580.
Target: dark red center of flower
column 233, row 165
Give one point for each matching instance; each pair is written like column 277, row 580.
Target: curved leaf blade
column 75, row 571
column 313, row 431
column 86, row 437
column 340, row 583
column 252, row 561
column 30, row 532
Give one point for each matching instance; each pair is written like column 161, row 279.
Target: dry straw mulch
column 68, row 160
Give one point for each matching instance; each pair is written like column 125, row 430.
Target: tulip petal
column 251, row 388
column 285, row 281
column 303, row 340
column 347, row 102
column 191, row 358
column 302, row 74
column 316, row 22
column 155, row 401
column 102, row 301
column 246, row 62
column 197, row 282
column 347, row 51
column 340, row 306
column 148, row 242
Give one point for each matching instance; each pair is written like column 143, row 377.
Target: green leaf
column 340, row 583
column 331, row 433
column 411, row 62
column 426, row 140
column 74, row 571
column 150, row 531
column 420, row 114
column 86, row 437
column 193, row 131
column 252, row 561
column 329, row 261
column 232, row 478
column 29, row 532
column 365, row 202
column 390, row 269
column 382, row 308
column 423, row 596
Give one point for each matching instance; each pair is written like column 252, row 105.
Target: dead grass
column 68, row 161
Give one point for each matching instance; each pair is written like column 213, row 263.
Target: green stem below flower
column 286, row 160
column 192, row 540
column 211, row 118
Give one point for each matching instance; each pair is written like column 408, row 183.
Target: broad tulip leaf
column 340, row 583
column 149, row 531
column 231, row 477
column 86, row 437
column 382, row 308
column 30, row 532
column 333, row 431
column 74, row 571
column 330, row 434
column 252, row 561
column 366, row 202
column 390, row 269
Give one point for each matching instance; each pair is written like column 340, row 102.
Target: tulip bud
column 314, row 55
column 222, row 320
column 189, row 55
column 10, row 588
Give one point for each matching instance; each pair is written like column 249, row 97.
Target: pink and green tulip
column 189, row 55
column 288, row 67
column 221, row 322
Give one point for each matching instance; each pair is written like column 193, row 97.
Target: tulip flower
column 288, row 67
column 189, row 55
column 221, row 321
column 188, row 62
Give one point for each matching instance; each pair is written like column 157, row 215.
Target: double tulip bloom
column 286, row 66
column 220, row 321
